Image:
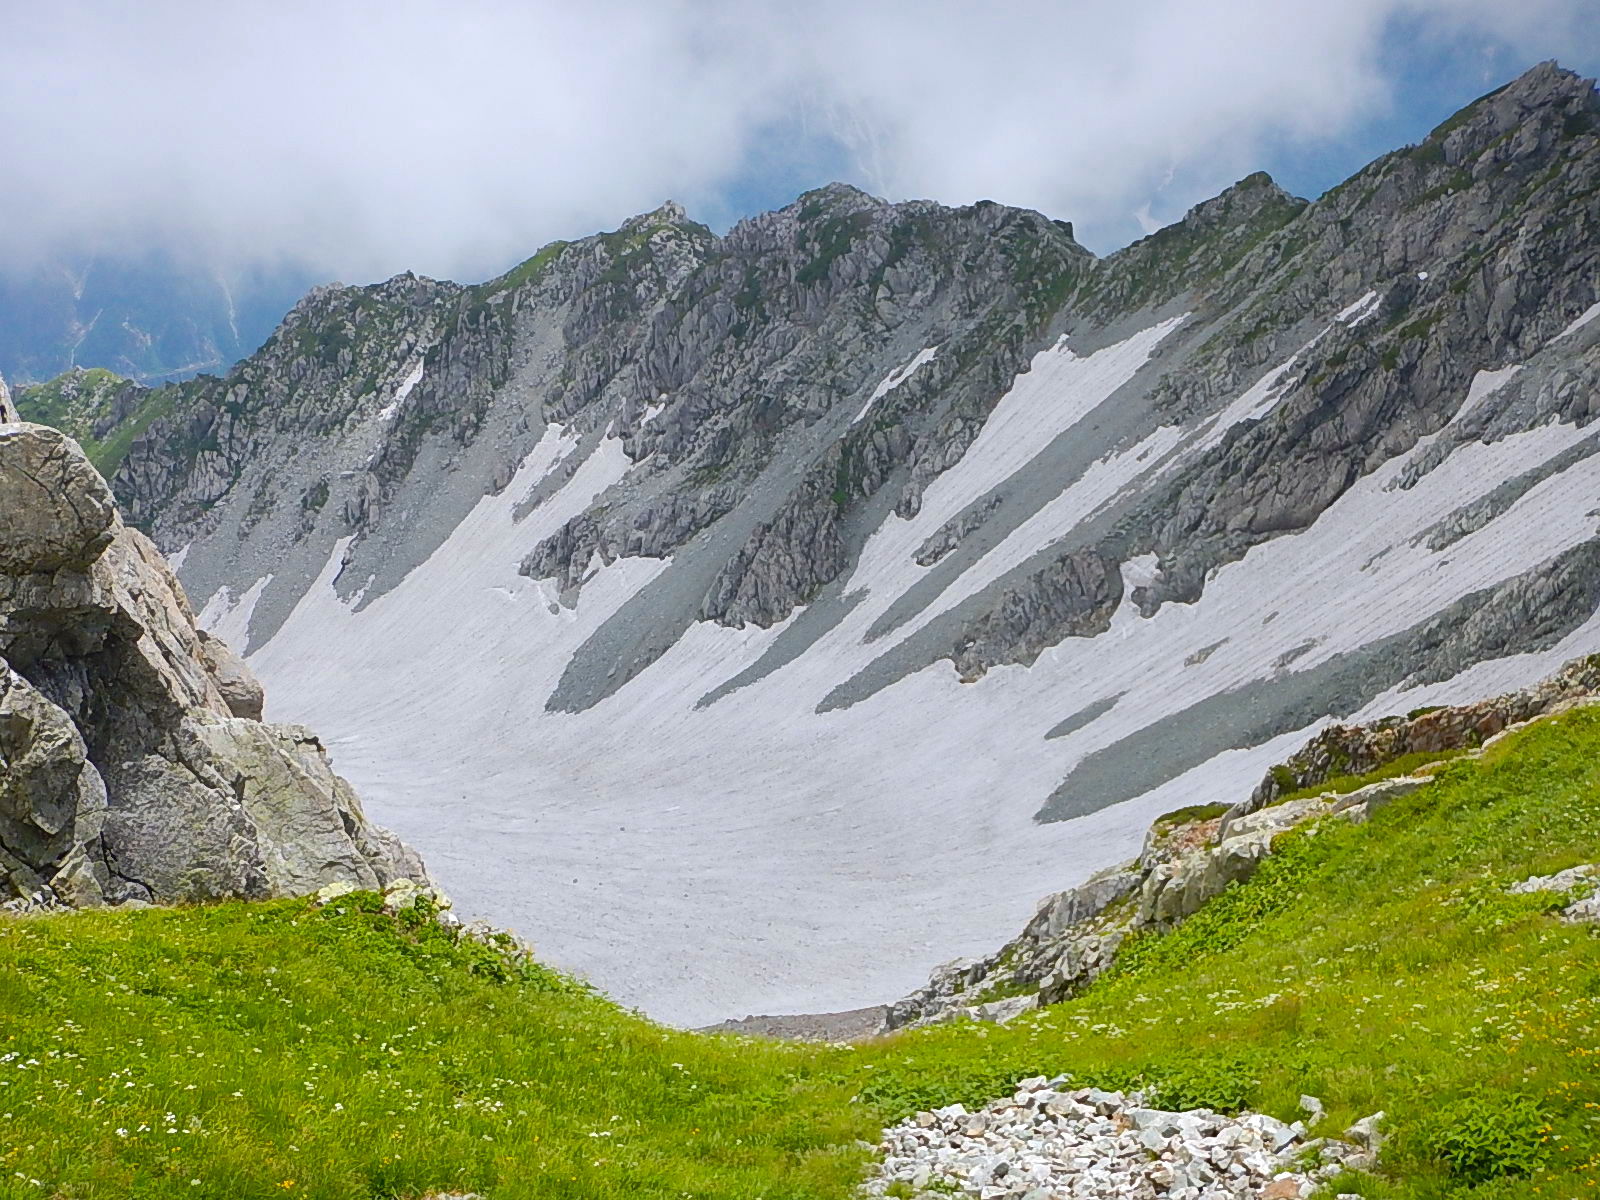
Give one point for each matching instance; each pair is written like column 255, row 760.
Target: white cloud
column 364, row 137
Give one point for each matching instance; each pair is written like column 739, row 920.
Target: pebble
column 1043, row 1143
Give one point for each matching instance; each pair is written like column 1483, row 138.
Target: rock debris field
column 1045, row 1144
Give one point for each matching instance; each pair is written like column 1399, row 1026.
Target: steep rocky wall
column 133, row 765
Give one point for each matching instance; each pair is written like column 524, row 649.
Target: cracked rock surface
column 132, row 765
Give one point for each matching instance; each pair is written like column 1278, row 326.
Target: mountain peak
column 1546, row 94
column 835, row 196
column 669, row 212
column 1545, row 83
column 1241, row 203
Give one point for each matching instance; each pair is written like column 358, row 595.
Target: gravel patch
column 1045, row 1144
column 853, row 1026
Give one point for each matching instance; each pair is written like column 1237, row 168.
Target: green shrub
column 1406, row 764
column 1222, row 1083
column 1490, row 1135
column 1194, row 812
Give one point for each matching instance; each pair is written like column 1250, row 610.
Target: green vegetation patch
column 527, row 272
column 283, row 1050
column 78, row 401
column 1192, row 813
column 1339, row 785
column 254, row 1050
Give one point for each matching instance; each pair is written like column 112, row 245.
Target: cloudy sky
column 357, row 138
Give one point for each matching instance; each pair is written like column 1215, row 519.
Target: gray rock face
column 1360, row 749
column 240, row 690
column 704, row 355
column 131, row 765
column 52, row 802
column 59, row 512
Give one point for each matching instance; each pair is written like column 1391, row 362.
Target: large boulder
column 58, row 512
column 133, row 764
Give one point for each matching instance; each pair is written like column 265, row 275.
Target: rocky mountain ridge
column 774, row 552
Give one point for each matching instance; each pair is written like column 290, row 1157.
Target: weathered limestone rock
column 58, row 511
column 1358, row 749
column 52, row 802
column 1044, row 1142
column 240, row 689
column 132, row 765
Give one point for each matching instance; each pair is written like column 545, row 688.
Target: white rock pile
column 1045, row 1144
column 1582, row 881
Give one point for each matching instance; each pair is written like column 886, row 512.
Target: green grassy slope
column 76, row 401
column 282, row 1050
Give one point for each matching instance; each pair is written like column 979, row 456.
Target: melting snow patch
column 1484, row 385
column 228, row 618
column 401, row 392
column 894, row 379
column 1589, row 314
column 1360, row 310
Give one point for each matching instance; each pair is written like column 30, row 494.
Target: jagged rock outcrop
column 1193, row 855
column 133, row 764
column 724, row 365
column 1360, row 749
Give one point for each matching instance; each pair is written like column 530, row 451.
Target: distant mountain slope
column 149, row 319
column 821, row 595
column 99, row 408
